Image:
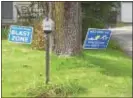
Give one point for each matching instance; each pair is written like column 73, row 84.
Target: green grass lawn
column 93, row 73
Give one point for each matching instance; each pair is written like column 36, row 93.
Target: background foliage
column 95, row 14
column 99, row 15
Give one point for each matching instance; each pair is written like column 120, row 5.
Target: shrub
column 114, row 45
column 38, row 36
column 4, row 32
column 91, row 23
column 57, row 90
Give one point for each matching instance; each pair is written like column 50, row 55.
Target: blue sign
column 20, row 34
column 97, row 38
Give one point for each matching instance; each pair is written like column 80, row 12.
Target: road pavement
column 124, row 37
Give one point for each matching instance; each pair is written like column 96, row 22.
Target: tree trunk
column 68, row 28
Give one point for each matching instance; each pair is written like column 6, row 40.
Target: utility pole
column 47, row 58
column 50, row 35
column 48, row 28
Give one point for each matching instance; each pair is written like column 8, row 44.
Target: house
column 9, row 12
column 126, row 12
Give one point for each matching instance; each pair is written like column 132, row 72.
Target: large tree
column 67, row 37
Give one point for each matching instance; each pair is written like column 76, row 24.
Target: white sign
column 48, row 24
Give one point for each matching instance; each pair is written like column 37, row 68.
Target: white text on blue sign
column 20, row 34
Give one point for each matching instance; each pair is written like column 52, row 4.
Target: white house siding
column 5, row 10
column 12, row 12
column 126, row 12
column 8, row 12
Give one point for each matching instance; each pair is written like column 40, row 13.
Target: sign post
column 47, row 28
column 97, row 38
column 47, row 58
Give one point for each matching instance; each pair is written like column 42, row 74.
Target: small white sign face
column 48, row 24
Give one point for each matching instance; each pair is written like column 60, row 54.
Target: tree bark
column 68, row 28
